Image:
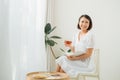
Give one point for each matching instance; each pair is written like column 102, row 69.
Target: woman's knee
column 61, row 70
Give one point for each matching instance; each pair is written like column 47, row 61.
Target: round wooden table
column 47, row 76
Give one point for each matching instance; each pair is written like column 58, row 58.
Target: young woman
column 82, row 45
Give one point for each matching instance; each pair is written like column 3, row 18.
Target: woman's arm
column 83, row 56
column 72, row 48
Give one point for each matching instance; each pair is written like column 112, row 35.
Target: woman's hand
column 72, row 57
column 69, row 44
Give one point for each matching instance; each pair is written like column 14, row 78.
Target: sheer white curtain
column 27, row 19
column 50, row 19
column 5, row 71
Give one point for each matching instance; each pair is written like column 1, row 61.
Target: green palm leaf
column 47, row 28
column 51, row 42
column 51, row 30
column 55, row 37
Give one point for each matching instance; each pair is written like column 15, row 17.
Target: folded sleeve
column 91, row 41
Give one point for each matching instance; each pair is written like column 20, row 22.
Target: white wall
column 105, row 16
column 22, row 47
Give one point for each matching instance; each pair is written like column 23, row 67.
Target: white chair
column 95, row 74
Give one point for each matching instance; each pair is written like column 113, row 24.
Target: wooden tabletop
column 47, row 76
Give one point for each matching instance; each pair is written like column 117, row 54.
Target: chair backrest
column 96, row 59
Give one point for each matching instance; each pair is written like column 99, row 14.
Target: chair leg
column 84, row 78
column 98, row 77
column 77, row 77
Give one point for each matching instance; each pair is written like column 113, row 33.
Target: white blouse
column 85, row 42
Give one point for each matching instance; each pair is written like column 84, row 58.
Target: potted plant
column 50, row 39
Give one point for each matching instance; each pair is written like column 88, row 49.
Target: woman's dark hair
column 87, row 17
